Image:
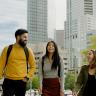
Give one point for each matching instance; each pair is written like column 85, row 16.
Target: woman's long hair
column 93, row 63
column 55, row 57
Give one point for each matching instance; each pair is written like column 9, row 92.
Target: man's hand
column 25, row 79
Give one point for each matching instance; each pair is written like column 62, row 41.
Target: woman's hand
column 40, row 91
column 74, row 93
column 61, row 93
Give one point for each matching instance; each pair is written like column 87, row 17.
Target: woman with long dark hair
column 51, row 72
column 86, row 81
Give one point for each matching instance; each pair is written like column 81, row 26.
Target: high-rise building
column 37, row 20
column 88, row 7
column 59, row 38
column 41, row 20
column 79, row 25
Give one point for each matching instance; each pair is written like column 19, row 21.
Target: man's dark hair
column 20, row 32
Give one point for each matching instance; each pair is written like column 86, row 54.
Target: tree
column 92, row 45
column 92, row 42
column 70, row 81
column 34, row 84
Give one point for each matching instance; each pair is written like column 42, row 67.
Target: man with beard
column 14, row 67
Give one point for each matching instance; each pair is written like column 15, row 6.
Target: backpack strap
column 27, row 56
column 8, row 53
column 43, row 57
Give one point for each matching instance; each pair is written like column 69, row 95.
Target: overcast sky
column 13, row 16
column 60, row 13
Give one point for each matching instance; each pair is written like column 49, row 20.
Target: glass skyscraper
column 80, row 25
column 37, row 16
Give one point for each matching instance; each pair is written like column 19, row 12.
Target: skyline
column 60, row 14
column 14, row 16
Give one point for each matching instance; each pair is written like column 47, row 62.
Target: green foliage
column 34, row 84
column 93, row 42
column 70, row 81
column 92, row 45
column 29, row 84
column 84, row 56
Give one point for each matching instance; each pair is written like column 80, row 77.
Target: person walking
column 86, row 80
column 51, row 72
column 14, row 62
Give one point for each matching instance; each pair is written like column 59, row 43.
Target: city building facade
column 79, row 26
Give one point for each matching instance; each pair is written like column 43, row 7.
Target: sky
column 60, row 13
column 13, row 16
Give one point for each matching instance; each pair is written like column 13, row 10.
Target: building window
column 65, row 58
column 65, row 63
column 65, row 68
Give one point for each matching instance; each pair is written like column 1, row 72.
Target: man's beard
column 22, row 43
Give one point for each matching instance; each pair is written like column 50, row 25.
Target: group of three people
column 14, row 62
